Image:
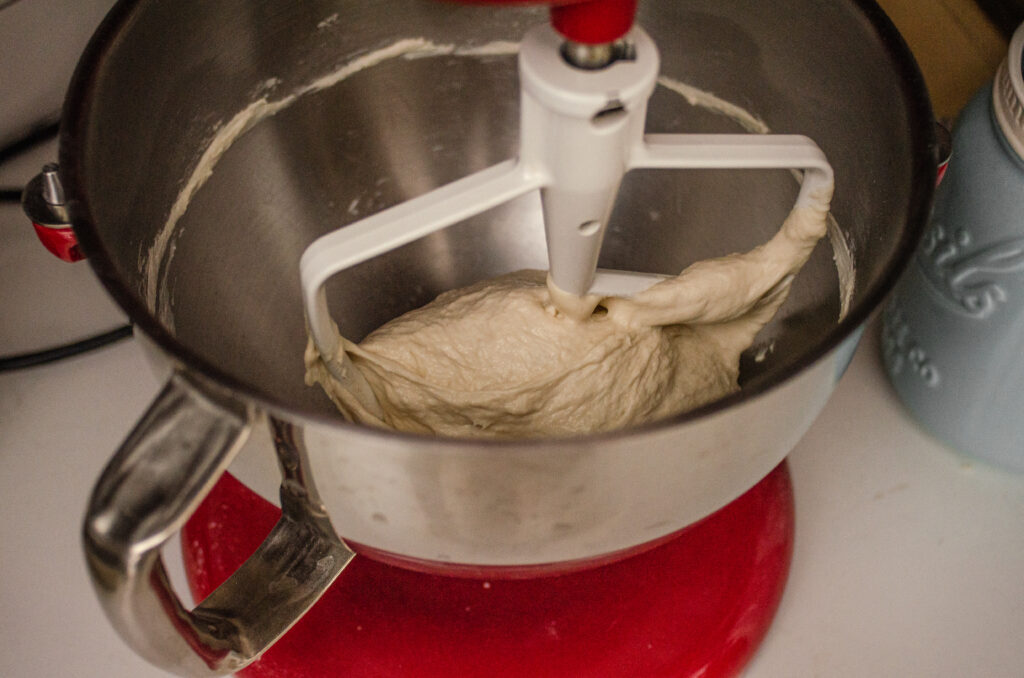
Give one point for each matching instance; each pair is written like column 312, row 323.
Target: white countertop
column 909, row 559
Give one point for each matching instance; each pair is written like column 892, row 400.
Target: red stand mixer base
column 697, row 605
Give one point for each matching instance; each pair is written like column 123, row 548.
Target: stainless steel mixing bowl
column 225, row 315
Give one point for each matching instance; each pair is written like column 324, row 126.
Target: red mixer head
column 588, row 22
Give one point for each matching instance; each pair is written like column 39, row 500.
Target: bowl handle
column 147, row 492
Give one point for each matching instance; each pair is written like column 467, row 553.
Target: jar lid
column 1008, row 94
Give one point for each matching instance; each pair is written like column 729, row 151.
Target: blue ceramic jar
column 953, row 332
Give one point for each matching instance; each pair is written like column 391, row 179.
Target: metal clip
column 44, row 203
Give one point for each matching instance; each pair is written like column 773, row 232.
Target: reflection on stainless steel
column 834, row 71
column 43, row 199
column 53, row 191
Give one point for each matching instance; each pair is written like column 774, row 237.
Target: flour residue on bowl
column 161, row 253
column 158, row 258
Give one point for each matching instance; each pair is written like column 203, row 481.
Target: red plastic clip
column 61, row 242
column 43, row 203
column 943, row 151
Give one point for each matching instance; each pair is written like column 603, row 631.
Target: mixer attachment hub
column 593, row 57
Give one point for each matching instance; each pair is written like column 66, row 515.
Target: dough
column 498, row 359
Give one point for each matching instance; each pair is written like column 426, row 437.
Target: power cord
column 50, row 355
column 38, row 135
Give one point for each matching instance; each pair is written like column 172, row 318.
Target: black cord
column 40, row 134
column 49, row 355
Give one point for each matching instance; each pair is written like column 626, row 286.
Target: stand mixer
column 681, row 514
